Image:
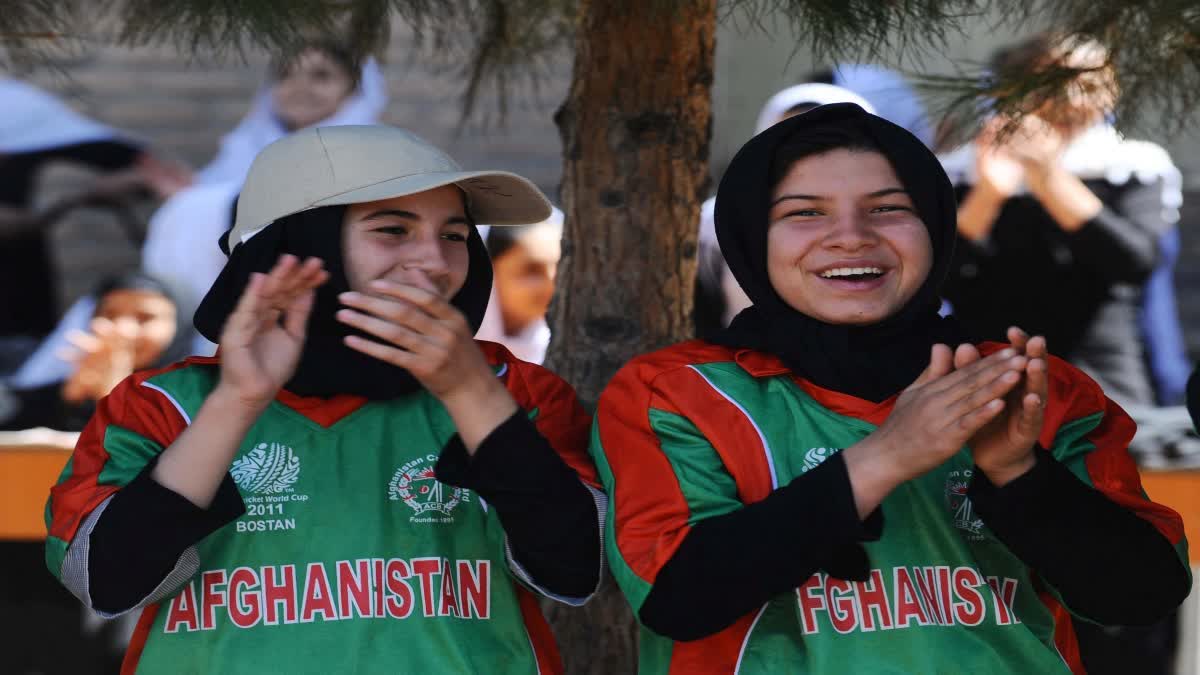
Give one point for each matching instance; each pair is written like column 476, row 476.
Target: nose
column 850, row 231
column 427, row 256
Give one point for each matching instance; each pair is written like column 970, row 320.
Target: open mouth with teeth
column 853, row 273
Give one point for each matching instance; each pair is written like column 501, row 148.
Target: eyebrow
column 409, row 215
column 816, row 198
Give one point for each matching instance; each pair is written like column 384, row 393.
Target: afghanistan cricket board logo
column 414, row 484
column 959, row 504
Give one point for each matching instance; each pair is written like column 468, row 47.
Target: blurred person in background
column 525, row 262
column 1067, row 213
column 321, row 84
column 36, row 130
column 132, row 322
column 1060, row 219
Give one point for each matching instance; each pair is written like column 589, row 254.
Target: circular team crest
column 415, row 485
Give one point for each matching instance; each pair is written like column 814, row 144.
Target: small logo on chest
column 415, row 484
column 267, row 469
column 814, row 457
column 959, row 504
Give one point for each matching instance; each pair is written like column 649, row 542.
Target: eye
column 454, row 236
column 391, row 230
column 890, row 208
column 801, row 213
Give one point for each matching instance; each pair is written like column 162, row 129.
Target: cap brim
column 494, row 197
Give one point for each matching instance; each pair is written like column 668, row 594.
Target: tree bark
column 635, row 130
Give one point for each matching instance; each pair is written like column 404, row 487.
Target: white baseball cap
column 326, row 166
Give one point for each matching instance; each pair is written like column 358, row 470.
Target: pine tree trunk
column 635, row 129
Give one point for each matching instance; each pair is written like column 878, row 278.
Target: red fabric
column 545, row 649
column 137, row 642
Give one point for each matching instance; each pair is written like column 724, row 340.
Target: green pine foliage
column 1154, row 45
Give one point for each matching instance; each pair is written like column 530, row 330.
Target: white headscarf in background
column 181, row 241
column 33, row 120
column 891, row 95
column 810, row 93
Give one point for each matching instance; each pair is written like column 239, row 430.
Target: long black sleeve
column 549, row 515
column 1121, row 242
column 1084, row 545
column 141, row 535
column 760, row 551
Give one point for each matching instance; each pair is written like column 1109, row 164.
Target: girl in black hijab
column 793, row 495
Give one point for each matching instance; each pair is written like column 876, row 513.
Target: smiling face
column 418, row 239
column 844, row 242
column 147, row 315
column 310, row 88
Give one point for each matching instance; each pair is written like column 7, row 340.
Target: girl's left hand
column 1003, row 449
column 103, row 358
column 426, row 335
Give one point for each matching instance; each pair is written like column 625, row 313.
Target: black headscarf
column 327, row 366
column 871, row 362
column 180, row 344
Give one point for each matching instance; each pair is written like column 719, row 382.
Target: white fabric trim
column 601, row 501
column 746, row 641
column 76, row 574
column 761, row 436
column 186, row 418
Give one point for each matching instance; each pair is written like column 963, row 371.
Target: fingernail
column 348, row 296
column 1005, row 353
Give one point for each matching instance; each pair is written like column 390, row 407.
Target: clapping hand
column 1003, row 449
column 103, row 357
column 264, row 336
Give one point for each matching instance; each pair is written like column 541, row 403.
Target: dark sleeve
column 549, row 516
column 1083, row 545
column 141, row 535
column 1121, row 242
column 809, row 524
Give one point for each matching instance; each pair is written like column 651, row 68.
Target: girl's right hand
column 939, row 412
column 263, row 337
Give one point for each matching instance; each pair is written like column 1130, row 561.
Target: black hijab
column 870, row 362
column 327, row 366
column 180, row 344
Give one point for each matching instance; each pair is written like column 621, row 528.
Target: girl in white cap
column 354, row 484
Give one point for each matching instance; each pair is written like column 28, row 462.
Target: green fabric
column 936, row 557
column 352, row 520
column 56, row 552
column 706, row 485
column 136, row 451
